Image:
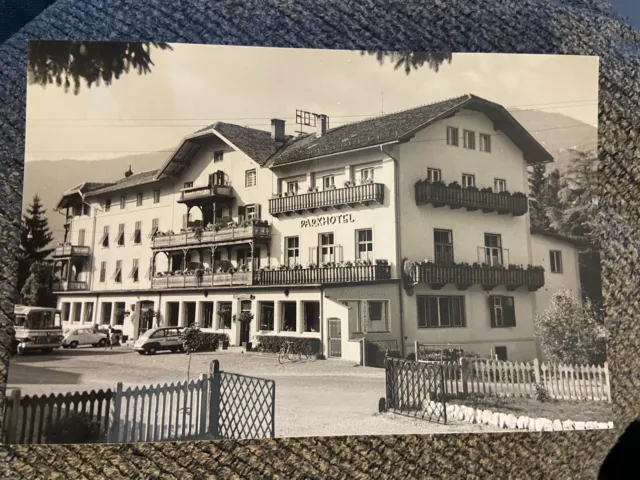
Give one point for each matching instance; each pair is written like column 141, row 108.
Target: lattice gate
column 416, row 389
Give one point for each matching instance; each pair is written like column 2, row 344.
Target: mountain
column 50, row 179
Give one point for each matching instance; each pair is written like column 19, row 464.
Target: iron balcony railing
column 72, row 251
column 205, row 191
column 440, row 195
column 231, row 234
column 206, row 280
column 372, row 192
column 64, row 286
column 357, row 273
column 434, row 274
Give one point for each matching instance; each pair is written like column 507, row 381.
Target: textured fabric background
column 518, row 26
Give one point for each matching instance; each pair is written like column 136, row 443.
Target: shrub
column 73, row 427
column 273, row 344
column 541, row 394
column 196, row 340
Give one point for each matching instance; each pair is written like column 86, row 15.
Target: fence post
column 415, row 350
column 214, row 399
column 114, row 431
column 273, row 411
column 11, row 424
column 389, row 394
column 465, row 375
column 364, row 352
column 536, row 370
column 607, row 380
column 204, row 398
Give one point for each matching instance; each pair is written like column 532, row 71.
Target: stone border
column 507, row 420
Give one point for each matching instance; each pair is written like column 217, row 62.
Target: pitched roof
column 134, row 180
column 558, row 236
column 401, row 126
column 257, row 144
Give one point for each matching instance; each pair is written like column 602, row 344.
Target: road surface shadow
column 37, row 357
column 28, row 375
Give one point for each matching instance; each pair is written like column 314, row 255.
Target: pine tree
column 37, row 288
column 35, row 236
column 537, row 184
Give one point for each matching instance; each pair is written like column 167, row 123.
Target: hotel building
column 411, row 226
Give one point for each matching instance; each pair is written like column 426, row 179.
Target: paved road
column 313, row 398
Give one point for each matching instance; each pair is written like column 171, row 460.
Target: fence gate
column 335, row 338
column 416, row 389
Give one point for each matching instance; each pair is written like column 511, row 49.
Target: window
column 328, row 182
column 555, row 256
column 366, row 175
column 292, row 250
column 501, row 353
column 468, row 180
column 443, row 246
column 154, row 227
column 123, row 202
column 137, row 233
column 452, row 136
column 250, row 178
column 66, row 311
column 139, row 198
column 499, row 185
column 250, row 212
column 86, row 209
column 266, row 316
column 77, row 311
column 288, row 321
column 187, row 185
column 120, row 239
column 105, row 236
column 224, row 315
column 436, row 311
column 292, row 187
column 107, row 205
column 77, row 210
column 81, row 237
column 485, row 142
column 493, row 254
column 88, row 312
column 364, row 244
column 469, row 139
column 156, row 196
column 160, row 334
column 218, row 156
column 135, row 269
column 117, row 274
column 105, row 317
column 502, row 311
column 327, row 248
column 311, row 316
column 434, row 175
column 206, row 314
column 103, row 272
column 376, row 315
column 245, row 306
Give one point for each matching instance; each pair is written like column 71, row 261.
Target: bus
column 37, row 329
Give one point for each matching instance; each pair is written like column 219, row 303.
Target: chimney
column 321, row 125
column 277, row 130
column 128, row 173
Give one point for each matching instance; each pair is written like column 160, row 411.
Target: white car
column 84, row 336
column 162, row 338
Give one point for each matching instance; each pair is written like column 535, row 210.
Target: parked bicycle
column 288, row 350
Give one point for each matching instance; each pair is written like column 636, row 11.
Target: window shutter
column 258, row 211
column 422, row 312
column 510, row 310
column 240, row 213
column 492, row 312
column 364, row 311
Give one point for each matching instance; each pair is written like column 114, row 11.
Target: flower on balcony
column 312, row 189
column 366, row 181
column 312, row 266
column 265, row 268
column 362, row 262
column 472, row 188
column 348, row 263
column 455, row 185
column 283, row 267
column 207, row 271
column 535, row 267
column 515, row 267
column 243, row 267
column 486, row 190
column 349, row 183
column 382, row 262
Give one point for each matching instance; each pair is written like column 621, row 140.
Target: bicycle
column 287, row 350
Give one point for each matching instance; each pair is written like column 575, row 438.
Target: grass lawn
column 553, row 409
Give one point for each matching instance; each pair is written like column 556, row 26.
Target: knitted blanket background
column 517, row 26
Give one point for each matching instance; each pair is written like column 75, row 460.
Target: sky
column 193, row 86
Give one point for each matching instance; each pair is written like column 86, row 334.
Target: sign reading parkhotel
column 327, row 220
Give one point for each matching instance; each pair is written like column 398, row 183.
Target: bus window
column 21, row 320
column 41, row 320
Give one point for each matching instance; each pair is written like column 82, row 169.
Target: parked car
column 84, row 336
column 158, row 339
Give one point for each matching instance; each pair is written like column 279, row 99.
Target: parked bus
column 37, row 328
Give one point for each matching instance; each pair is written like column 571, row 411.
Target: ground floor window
column 266, row 316
column 502, row 311
column 88, row 312
column 66, row 311
column 105, row 315
column 77, row 311
column 435, row 311
column 189, row 313
column 501, row 353
column 311, row 316
column 173, row 310
column 377, row 313
column 206, row 314
column 288, row 317
column 120, row 308
column 224, row 315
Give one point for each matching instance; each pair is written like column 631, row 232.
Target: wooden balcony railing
column 63, row 286
column 440, row 195
column 359, row 273
column 211, row 236
column 72, row 251
column 489, row 277
column 209, row 280
column 204, row 192
column 364, row 194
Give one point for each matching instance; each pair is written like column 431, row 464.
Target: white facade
column 368, row 235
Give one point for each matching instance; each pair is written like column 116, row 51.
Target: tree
column 35, row 236
column 537, row 183
column 37, row 289
column 570, row 331
column 64, row 62
column 410, row 60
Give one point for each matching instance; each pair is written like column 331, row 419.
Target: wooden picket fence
column 501, row 378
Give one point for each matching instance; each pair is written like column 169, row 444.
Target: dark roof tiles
column 257, row 144
column 125, row 182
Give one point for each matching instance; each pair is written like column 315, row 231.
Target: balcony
column 465, row 275
column 71, row 251
column 196, row 195
column 440, row 195
column 303, row 276
column 206, row 280
column 336, row 198
column 63, row 286
column 243, row 233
